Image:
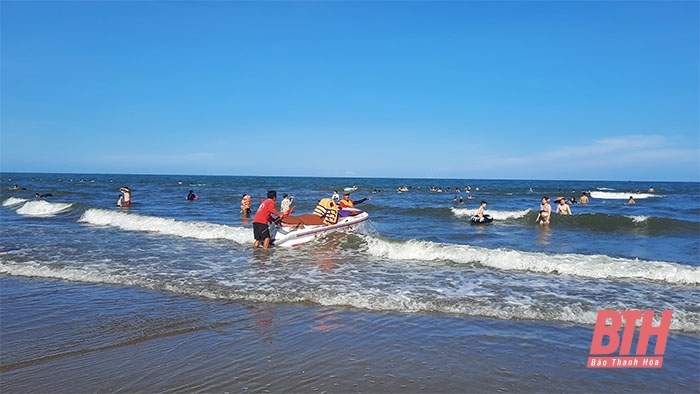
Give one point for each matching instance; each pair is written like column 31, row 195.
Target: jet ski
column 300, row 229
column 477, row 220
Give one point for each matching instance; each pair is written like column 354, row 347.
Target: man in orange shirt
column 262, row 217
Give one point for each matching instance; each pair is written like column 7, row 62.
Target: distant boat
column 351, row 189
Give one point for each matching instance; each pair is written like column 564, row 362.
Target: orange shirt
column 266, row 209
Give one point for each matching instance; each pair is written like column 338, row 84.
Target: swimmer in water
column 127, row 196
column 545, row 211
column 563, row 208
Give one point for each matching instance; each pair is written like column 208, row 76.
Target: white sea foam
column 135, row 222
column 638, row 218
column 622, row 196
column 496, row 215
column 43, row 208
column 507, row 310
column 590, row 266
column 88, row 274
column 395, row 300
column 12, row 201
column 605, row 188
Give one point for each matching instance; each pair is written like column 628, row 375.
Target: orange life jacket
column 346, row 203
column 328, row 210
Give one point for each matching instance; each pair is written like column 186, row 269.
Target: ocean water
column 418, row 257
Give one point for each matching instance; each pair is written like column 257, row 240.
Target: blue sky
column 513, row 90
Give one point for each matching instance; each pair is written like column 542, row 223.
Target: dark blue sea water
column 419, row 254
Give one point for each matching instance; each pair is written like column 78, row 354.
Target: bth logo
column 624, row 360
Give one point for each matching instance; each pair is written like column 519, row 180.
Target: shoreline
column 76, row 337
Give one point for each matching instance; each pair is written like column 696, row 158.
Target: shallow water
column 96, row 338
column 418, row 262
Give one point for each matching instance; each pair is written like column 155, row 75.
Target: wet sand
column 76, row 338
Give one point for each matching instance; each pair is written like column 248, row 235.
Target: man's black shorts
column 261, row 231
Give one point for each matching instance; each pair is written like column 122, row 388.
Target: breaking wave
column 589, row 266
column 12, row 201
column 301, row 287
column 621, row 195
column 43, row 208
column 496, row 215
column 166, row 226
column 598, row 222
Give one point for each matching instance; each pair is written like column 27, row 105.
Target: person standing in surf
column 563, row 208
column 127, row 196
column 584, row 198
column 262, row 218
column 286, row 204
column 481, row 213
column 245, row 204
column 545, row 211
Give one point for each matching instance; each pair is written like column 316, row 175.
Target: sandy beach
column 75, row 338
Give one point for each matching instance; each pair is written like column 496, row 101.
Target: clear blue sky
column 523, row 90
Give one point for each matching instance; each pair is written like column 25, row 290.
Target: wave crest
column 496, row 215
column 136, row 222
column 589, row 266
column 43, row 208
column 621, row 195
column 12, row 201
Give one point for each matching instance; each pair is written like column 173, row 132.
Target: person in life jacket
column 346, row 202
column 245, row 205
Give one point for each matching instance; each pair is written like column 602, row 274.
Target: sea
column 169, row 295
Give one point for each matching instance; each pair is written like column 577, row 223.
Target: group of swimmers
column 264, row 213
column 467, row 189
column 563, row 207
column 124, row 199
column 546, row 210
column 631, row 200
column 36, row 195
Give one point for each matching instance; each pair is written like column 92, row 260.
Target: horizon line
column 351, row 177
